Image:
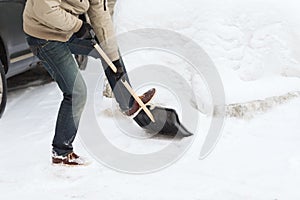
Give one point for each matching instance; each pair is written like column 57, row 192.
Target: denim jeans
column 58, row 60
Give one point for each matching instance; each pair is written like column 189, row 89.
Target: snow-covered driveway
column 255, row 159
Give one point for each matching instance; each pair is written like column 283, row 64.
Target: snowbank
column 254, row 44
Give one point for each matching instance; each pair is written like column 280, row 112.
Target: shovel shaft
column 125, row 83
column 105, row 57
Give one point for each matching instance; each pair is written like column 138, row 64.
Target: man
column 55, row 33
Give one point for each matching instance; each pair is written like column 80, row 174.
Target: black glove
column 85, row 32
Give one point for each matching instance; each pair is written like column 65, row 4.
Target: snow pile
column 251, row 42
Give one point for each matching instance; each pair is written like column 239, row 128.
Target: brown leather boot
column 71, row 159
column 146, row 98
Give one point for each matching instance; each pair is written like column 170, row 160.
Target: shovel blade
column 166, row 122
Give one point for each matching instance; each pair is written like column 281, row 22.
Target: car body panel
column 18, row 55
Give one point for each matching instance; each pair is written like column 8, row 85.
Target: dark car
column 15, row 55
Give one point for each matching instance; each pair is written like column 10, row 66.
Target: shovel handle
column 125, row 83
column 105, row 57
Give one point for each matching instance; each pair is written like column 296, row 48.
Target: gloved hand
column 85, row 32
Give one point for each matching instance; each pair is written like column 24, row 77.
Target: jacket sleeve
column 103, row 27
column 51, row 14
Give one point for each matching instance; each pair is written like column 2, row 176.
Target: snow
column 254, row 45
column 255, row 159
column 249, row 41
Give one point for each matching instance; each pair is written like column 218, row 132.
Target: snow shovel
column 166, row 122
column 161, row 120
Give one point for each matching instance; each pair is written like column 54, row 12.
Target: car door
column 18, row 54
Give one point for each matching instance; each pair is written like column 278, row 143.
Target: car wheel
column 81, row 61
column 3, row 89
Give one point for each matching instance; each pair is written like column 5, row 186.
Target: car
column 15, row 54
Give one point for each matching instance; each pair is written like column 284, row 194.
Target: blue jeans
column 58, row 60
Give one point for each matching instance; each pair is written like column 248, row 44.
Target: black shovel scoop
column 166, row 122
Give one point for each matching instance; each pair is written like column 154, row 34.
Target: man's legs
column 59, row 62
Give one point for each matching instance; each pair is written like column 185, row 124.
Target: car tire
column 3, row 89
column 81, row 61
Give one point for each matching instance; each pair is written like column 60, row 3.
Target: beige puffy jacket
column 58, row 20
